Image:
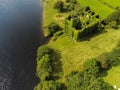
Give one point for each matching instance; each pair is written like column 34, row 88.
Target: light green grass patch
column 98, row 7
column 113, row 76
column 114, row 3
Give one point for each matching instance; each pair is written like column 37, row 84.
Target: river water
column 20, row 36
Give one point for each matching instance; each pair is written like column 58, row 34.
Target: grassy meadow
column 73, row 54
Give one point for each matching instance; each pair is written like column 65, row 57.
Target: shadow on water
column 20, row 36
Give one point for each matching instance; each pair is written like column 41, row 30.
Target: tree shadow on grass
column 108, row 60
column 89, row 37
column 56, row 64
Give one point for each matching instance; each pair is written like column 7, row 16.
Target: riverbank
column 73, row 54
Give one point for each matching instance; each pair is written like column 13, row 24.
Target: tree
column 115, row 16
column 59, row 6
column 77, row 24
column 44, row 68
column 86, row 81
column 53, row 28
column 43, row 50
column 92, row 66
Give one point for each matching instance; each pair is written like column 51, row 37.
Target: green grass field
column 73, row 54
column 114, row 3
column 98, row 7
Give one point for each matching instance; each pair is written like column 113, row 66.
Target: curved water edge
column 20, row 36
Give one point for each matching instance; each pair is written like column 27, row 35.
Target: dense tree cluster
column 52, row 28
column 59, row 6
column 88, row 79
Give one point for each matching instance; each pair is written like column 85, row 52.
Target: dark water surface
column 20, row 35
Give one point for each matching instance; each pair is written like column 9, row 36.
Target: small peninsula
column 84, row 48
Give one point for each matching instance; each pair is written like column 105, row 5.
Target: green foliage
column 42, row 51
column 72, row 1
column 113, row 24
column 85, row 81
column 68, row 7
column 77, row 24
column 115, row 16
column 87, row 8
column 59, row 6
column 53, row 28
column 44, row 68
column 49, row 85
column 113, row 58
column 90, row 30
column 92, row 66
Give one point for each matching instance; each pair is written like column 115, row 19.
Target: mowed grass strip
column 98, row 7
column 114, row 3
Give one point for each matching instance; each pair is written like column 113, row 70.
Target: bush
column 93, row 13
column 113, row 58
column 68, row 7
column 115, row 16
column 77, row 24
column 53, row 28
column 43, row 50
column 49, row 85
column 44, row 68
column 92, row 66
column 69, row 17
column 71, row 1
column 87, row 8
column 113, row 24
column 97, row 16
column 59, row 6
column 90, row 30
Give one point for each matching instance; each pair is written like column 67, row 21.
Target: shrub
column 77, row 24
column 73, row 1
column 115, row 16
column 92, row 66
column 93, row 13
column 43, row 50
column 97, row 16
column 68, row 7
column 113, row 24
column 87, row 8
column 59, row 6
column 53, row 28
column 69, row 17
column 44, row 68
column 67, row 0
column 51, row 85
